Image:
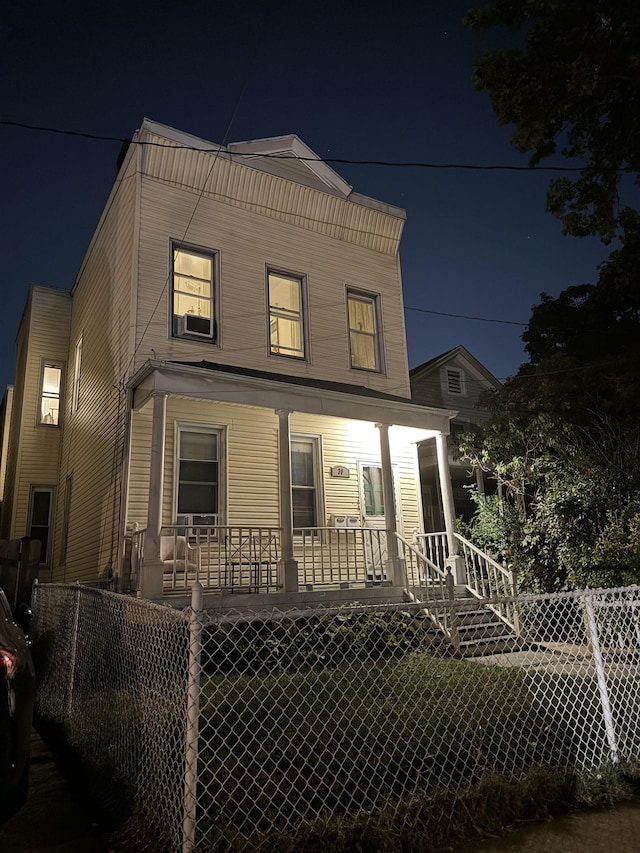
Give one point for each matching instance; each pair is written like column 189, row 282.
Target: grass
column 375, row 749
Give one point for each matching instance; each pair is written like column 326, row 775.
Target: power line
column 343, row 160
column 464, row 316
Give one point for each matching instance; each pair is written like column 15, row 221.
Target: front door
column 372, row 502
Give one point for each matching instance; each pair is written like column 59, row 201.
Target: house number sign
column 340, row 471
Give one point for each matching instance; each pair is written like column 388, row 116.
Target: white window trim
column 304, row 324
column 318, row 469
column 214, row 256
column 375, row 300
column 59, row 365
column 221, row 431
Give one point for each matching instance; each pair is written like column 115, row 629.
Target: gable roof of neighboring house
column 461, row 354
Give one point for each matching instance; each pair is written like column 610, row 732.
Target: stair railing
column 489, row 581
column 430, row 585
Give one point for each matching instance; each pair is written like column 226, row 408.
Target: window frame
column 51, row 491
column 213, row 255
column 58, row 365
column 318, row 483
column 302, row 313
column 209, row 429
column 374, row 299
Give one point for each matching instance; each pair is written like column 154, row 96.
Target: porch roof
column 244, row 386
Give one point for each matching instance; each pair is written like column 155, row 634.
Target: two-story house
column 225, row 390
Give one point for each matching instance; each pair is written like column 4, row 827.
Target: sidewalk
column 52, row 821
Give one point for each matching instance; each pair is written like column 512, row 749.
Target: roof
column 460, row 352
column 285, row 156
column 305, row 381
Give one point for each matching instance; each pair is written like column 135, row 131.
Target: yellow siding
column 252, row 461
column 248, row 242
column 94, row 434
column 35, row 451
column 242, row 186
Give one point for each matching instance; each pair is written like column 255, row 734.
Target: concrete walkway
column 52, row 821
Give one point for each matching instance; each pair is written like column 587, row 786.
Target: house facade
column 453, row 380
column 224, row 393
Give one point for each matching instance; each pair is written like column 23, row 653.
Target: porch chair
column 177, row 555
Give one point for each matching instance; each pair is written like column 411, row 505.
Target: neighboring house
column 453, row 380
column 226, row 387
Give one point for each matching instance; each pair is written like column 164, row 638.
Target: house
column 453, row 380
column 224, row 393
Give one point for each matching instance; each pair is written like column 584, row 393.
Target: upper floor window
column 286, row 316
column 364, row 331
column 50, row 394
column 193, row 277
column 455, row 381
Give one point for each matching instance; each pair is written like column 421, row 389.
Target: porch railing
column 329, row 556
column 487, row 579
column 422, row 573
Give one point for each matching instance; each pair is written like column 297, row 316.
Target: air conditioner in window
column 345, row 521
column 192, row 324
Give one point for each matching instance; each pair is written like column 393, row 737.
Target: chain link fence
column 328, row 729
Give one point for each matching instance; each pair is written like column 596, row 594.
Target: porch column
column 395, row 564
column 151, row 579
column 288, row 565
column 446, row 493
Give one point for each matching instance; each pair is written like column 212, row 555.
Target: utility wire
column 343, row 160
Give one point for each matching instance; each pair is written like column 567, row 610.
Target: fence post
column 73, row 650
column 193, row 720
column 453, row 610
column 602, row 681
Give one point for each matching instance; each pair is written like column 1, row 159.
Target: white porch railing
column 329, row 556
column 487, row 579
column 222, row 558
column 234, row 559
column 422, row 573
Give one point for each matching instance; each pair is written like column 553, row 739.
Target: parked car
column 17, row 691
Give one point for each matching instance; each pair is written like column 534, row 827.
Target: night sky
column 354, row 80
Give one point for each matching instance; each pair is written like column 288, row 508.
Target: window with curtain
column 286, row 317
column 364, row 337
column 193, row 294
column 50, row 396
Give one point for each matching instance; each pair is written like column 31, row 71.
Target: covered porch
column 299, row 504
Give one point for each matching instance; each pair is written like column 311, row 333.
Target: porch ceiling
column 217, row 384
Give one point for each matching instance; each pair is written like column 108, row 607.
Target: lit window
column 193, row 295
column 50, row 397
column 304, row 477
column 286, row 323
column 364, row 338
column 455, row 381
column 198, row 477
